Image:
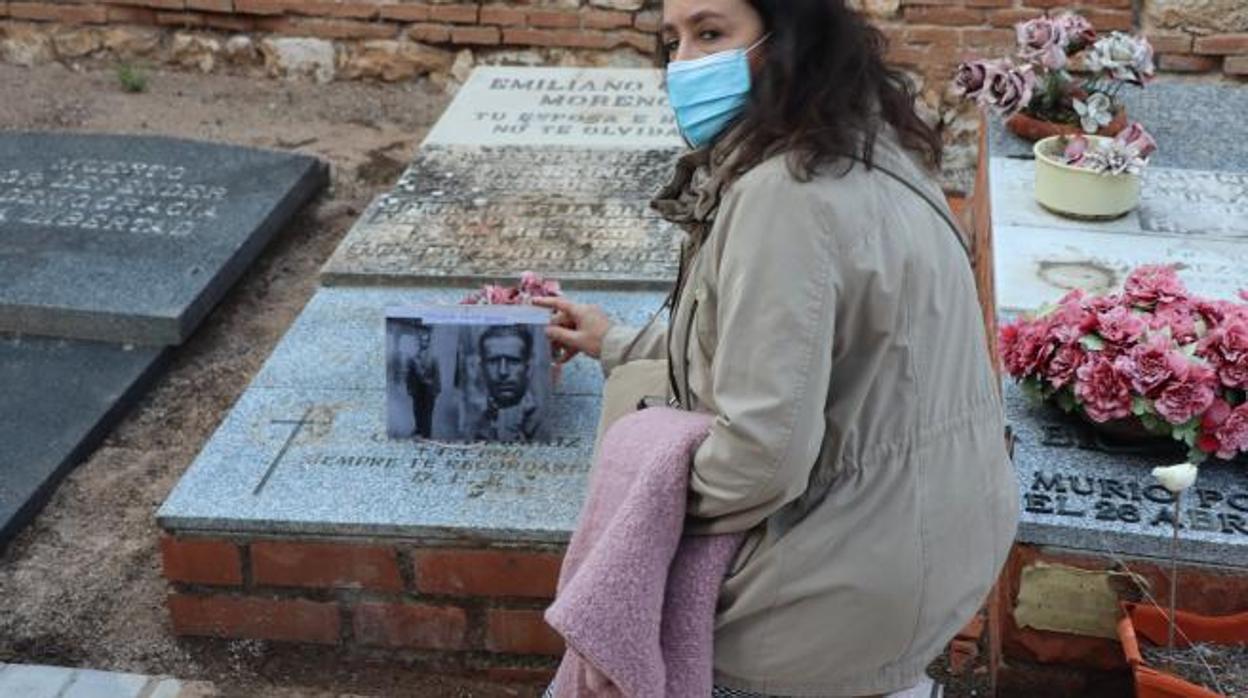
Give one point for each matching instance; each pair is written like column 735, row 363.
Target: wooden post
column 982, row 263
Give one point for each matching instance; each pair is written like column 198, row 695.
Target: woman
column 826, row 314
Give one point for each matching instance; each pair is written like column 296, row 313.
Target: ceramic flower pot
column 1079, row 193
column 1029, row 128
column 1148, row 623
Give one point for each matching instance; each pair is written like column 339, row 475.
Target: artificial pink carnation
column 1025, row 347
column 1119, row 326
column 1076, row 148
column 1153, row 284
column 1188, row 394
column 534, row 286
column 1152, row 364
column 1180, row 318
column 1103, row 390
column 1105, row 303
column 1065, row 362
column 1232, row 434
column 1226, row 347
column 531, row 286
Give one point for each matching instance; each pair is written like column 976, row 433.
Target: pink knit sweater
column 636, row 598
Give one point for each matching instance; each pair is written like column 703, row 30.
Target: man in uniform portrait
column 424, row 382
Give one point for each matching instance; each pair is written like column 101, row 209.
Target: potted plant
column 1092, row 177
column 1151, row 360
column 1177, row 654
column 1040, row 95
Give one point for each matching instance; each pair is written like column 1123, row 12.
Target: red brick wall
column 479, row 609
column 1209, row 591
column 930, row 36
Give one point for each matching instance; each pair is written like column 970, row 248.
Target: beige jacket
column 833, row 329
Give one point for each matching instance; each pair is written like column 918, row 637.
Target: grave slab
column 60, row 398
column 1036, row 265
column 1083, row 492
column 620, row 108
column 1176, row 203
column 305, row 449
column 547, row 169
column 134, row 238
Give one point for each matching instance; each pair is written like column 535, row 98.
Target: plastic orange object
column 1149, row 622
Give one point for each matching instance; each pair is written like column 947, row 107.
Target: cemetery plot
column 134, row 239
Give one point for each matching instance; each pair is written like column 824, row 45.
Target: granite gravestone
column 1082, row 490
column 542, row 169
column 134, row 239
column 1078, row 489
column 60, row 397
column 305, row 450
column 119, row 238
column 546, row 169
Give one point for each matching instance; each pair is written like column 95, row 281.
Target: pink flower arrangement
column 1043, row 86
column 531, row 286
column 1128, row 152
column 1154, row 352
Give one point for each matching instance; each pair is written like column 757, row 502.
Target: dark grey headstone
column 59, row 399
column 134, row 238
column 1084, row 491
column 1198, row 126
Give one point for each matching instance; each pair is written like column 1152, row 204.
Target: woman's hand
column 574, row 328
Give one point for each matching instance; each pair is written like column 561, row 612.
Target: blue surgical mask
column 709, row 92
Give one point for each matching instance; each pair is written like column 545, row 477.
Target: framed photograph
column 468, row 373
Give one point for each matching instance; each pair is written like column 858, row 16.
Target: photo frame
column 468, row 373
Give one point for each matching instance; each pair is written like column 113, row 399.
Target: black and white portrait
column 467, row 373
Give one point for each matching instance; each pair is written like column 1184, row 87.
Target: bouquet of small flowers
column 1127, row 153
column 531, row 286
column 1176, row 362
column 1042, row 84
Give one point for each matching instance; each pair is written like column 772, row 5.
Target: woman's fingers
column 567, row 342
column 555, row 303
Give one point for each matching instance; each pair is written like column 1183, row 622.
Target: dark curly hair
column 824, row 91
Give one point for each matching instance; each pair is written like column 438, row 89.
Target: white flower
column 1122, row 57
column 1098, row 111
column 1176, row 478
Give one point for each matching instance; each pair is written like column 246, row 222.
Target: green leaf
column 1154, row 424
column 1189, row 350
column 1195, row 456
column 1032, row 389
column 1186, row 432
column 1066, row 400
column 1092, row 342
column 1141, row 406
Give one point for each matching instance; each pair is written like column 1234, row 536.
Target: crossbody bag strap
column 941, row 211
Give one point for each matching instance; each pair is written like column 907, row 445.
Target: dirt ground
column 82, row 585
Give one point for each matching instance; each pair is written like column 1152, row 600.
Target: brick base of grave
column 1044, row 663
column 460, row 610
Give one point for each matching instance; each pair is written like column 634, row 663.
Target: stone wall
column 396, row 39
